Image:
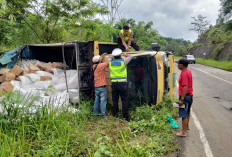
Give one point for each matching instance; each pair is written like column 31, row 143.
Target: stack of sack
column 46, row 80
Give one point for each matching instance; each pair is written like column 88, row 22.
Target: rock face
column 226, row 53
column 212, row 51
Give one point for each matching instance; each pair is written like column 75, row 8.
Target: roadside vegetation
column 52, row 132
column 220, row 33
column 51, row 21
column 225, row 65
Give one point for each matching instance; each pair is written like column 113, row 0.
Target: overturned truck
column 151, row 74
column 158, row 76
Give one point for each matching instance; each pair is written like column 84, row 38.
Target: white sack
column 74, row 95
column 44, row 73
column 72, row 84
column 25, row 81
column 34, row 77
column 42, row 84
column 15, row 83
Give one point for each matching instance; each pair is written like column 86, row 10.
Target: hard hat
column 116, row 52
column 96, row 59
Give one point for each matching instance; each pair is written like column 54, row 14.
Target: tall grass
column 225, row 65
column 58, row 132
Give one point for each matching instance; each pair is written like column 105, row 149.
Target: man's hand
column 104, row 54
column 127, row 49
column 181, row 102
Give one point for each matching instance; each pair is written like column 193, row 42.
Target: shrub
column 216, row 52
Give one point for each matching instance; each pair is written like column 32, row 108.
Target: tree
column 113, row 7
column 130, row 22
column 47, row 17
column 225, row 10
column 178, row 46
column 199, row 24
column 2, row 7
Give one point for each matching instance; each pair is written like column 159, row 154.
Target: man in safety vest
column 118, row 74
column 125, row 39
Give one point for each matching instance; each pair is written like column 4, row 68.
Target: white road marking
column 203, row 138
column 212, row 75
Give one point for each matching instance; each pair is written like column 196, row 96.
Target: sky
column 172, row 18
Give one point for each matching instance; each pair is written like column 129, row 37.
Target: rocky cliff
column 204, row 49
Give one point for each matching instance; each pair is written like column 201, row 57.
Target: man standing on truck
column 100, row 84
column 118, row 74
column 125, row 39
column 185, row 95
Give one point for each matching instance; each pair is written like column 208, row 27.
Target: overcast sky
column 171, row 18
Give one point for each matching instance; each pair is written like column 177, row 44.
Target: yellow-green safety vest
column 118, row 72
column 126, row 37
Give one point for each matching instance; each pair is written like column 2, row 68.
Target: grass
column 178, row 57
column 225, row 65
column 53, row 132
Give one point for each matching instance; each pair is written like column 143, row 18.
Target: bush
column 216, row 52
column 220, row 33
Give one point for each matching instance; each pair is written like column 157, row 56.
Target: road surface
column 210, row 131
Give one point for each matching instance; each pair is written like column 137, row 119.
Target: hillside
column 216, row 43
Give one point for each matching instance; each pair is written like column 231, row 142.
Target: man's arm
column 123, row 42
column 102, row 57
column 127, row 59
column 185, row 89
column 129, row 41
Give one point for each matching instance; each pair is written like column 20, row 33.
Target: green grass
column 52, row 132
column 225, row 65
column 178, row 57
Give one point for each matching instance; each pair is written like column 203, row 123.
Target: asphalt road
column 212, row 106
